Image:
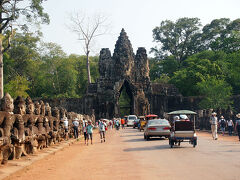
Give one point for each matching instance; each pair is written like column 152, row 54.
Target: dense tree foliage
column 180, row 38
column 17, row 14
column 200, row 61
column 44, row 70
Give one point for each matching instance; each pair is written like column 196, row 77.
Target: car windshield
column 131, row 117
column 158, row 122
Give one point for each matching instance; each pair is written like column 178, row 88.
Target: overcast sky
column 137, row 17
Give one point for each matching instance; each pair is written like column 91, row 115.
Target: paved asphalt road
column 126, row 155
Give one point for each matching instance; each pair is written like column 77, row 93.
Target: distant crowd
column 224, row 124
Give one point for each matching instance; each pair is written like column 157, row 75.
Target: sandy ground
column 125, row 155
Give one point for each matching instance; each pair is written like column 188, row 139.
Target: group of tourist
column 88, row 130
column 222, row 124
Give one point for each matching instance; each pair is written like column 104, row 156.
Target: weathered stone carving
column 31, row 131
column 6, row 124
column 18, row 136
column 32, row 126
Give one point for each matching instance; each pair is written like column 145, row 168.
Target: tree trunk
column 88, row 69
column 1, row 69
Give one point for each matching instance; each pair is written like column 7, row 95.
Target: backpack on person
column 102, row 126
column 223, row 123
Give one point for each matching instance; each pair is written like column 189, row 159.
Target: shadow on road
column 131, row 135
column 147, row 148
column 142, row 139
column 135, row 140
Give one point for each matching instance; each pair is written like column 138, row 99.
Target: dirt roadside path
column 79, row 161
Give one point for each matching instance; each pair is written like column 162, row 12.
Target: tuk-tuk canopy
column 151, row 115
column 181, row 112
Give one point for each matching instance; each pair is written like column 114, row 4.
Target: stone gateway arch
column 125, row 71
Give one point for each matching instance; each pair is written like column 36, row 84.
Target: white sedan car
column 157, row 128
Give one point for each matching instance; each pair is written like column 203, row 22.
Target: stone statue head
column 48, row 109
column 19, row 106
column 42, row 107
column 37, row 108
column 56, row 112
column 63, row 112
column 7, row 103
column 30, row 106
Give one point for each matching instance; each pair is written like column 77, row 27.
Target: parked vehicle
column 157, row 128
column 183, row 129
column 135, row 123
column 130, row 120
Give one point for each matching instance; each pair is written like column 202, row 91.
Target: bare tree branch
column 87, row 28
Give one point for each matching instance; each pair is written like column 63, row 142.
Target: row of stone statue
column 27, row 126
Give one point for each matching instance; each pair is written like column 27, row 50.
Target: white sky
column 137, row 17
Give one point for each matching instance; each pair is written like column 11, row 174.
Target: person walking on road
column 65, row 124
column 230, row 127
column 122, row 123
column 222, row 124
column 117, row 124
column 89, row 131
column 75, row 127
column 214, row 123
column 102, row 130
column 237, row 125
column 85, row 130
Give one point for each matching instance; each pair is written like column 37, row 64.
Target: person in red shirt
column 122, row 123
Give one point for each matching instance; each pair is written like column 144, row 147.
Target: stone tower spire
column 141, row 66
column 123, row 56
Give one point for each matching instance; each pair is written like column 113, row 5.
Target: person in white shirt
column 230, row 127
column 214, row 123
column 75, row 127
column 65, row 124
column 85, row 130
column 102, row 130
column 222, row 124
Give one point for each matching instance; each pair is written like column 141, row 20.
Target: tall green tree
column 18, row 87
column 195, row 69
column 180, row 39
column 11, row 11
column 222, row 35
column 216, row 93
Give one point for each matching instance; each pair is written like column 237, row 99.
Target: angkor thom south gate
column 126, row 71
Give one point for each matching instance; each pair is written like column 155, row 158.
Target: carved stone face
column 48, row 110
column 37, row 108
column 21, row 109
column 19, row 106
column 56, row 113
column 42, row 107
column 30, row 108
column 7, row 103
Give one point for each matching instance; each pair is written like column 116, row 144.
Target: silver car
column 157, row 128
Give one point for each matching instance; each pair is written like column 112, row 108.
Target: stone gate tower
column 121, row 70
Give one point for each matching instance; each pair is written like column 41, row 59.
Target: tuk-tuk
column 145, row 120
column 142, row 122
column 183, row 128
column 151, row 116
